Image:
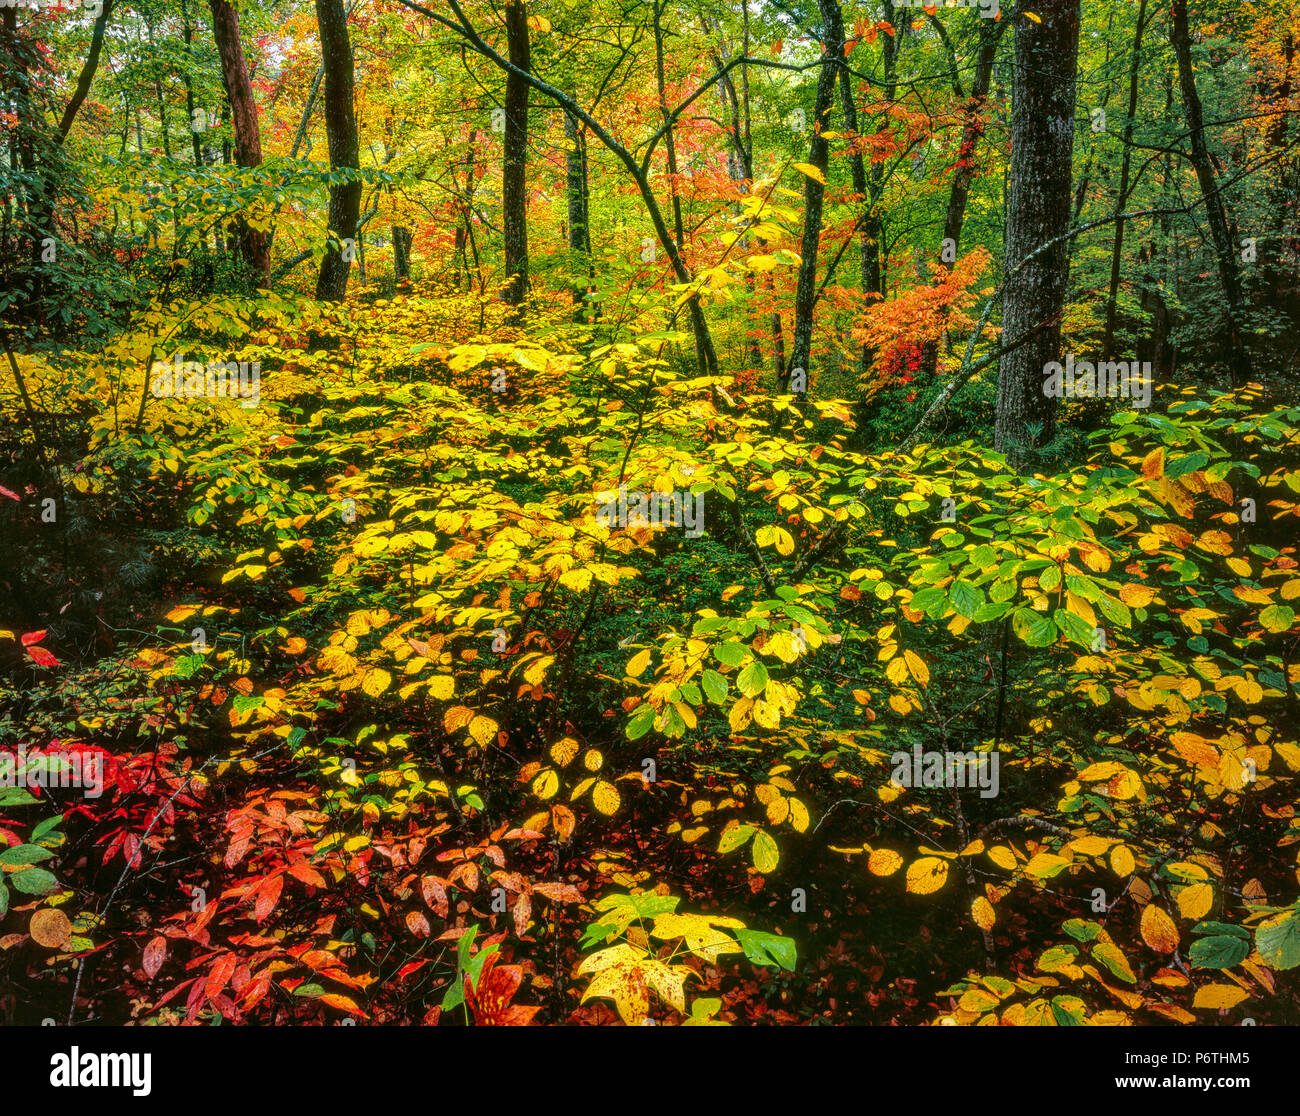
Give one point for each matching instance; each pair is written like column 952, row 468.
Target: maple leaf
column 627, row 975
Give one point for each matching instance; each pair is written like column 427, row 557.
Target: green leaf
column 1219, row 952
column 731, row 653
column 35, row 881
column 1033, row 628
column 735, row 837
column 752, row 680
column 768, row 949
column 25, row 854
column 715, row 686
column 1278, row 940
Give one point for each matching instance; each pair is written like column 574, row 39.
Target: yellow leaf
column 916, row 667
column 900, row 704
column 981, row 910
column 896, row 671
column 605, row 797
column 563, row 751
column 884, row 862
column 811, row 172
column 593, row 760
column 546, row 785
column 376, row 682
column 1219, row 996
column 441, row 686
column 535, row 671
column 798, row 815
column 764, row 851
column 1003, row 857
column 1121, row 861
column 482, row 729
column 1153, row 465
column 1035, row 18
column 637, row 664
column 927, row 875
column 1158, row 930
column 1195, row 900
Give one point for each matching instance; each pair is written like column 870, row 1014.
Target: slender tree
column 1038, row 212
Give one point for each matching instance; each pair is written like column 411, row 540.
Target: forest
column 649, row 512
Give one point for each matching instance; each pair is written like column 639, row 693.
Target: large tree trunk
column 341, row 133
column 243, row 110
column 814, row 194
column 1237, row 356
column 514, row 168
column 1038, row 212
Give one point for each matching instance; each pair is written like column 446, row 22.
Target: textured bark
column 401, row 252
column 1038, row 211
column 514, row 169
column 341, row 134
column 1216, row 213
column 243, row 110
column 814, row 194
column 579, row 231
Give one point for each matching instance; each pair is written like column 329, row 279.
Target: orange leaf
column 1158, row 930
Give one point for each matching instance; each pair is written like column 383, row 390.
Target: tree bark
column 579, row 238
column 1038, row 211
column 814, row 194
column 1238, row 358
column 341, row 134
column 243, row 109
column 514, row 169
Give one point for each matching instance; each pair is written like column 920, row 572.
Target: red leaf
column 307, row 874
column 5, row 492
column 42, row 657
column 33, row 637
column 268, row 895
column 154, row 953
column 219, row 974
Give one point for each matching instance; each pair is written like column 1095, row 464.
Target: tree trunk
column 857, row 167
column 814, row 194
column 514, row 169
column 1038, row 211
column 401, row 252
column 88, row 69
column 1237, row 356
column 341, row 134
column 579, row 231
column 243, row 110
